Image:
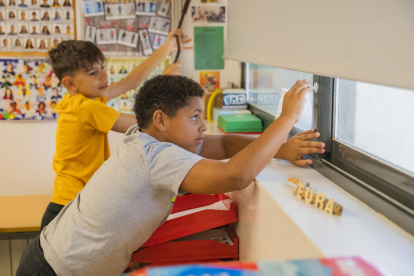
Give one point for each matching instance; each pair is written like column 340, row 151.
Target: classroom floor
column 11, row 251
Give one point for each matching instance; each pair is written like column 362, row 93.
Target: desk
column 22, row 213
column 273, row 224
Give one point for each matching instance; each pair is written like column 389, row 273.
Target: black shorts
column 51, row 212
column 33, row 262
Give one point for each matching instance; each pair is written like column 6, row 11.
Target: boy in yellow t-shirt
column 84, row 119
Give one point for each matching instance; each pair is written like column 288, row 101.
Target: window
column 378, row 120
column 368, row 130
column 264, row 85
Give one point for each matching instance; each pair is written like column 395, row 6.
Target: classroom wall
column 232, row 69
column 26, row 155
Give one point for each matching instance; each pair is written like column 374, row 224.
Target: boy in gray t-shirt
column 131, row 194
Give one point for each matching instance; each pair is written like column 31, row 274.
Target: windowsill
column 359, row 231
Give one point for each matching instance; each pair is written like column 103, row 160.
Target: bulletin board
column 29, row 28
column 126, row 27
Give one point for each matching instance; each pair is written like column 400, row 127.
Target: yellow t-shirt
column 81, row 143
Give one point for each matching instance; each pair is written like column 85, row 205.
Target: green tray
column 240, row 123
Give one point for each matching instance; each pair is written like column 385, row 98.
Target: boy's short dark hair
column 73, row 55
column 166, row 93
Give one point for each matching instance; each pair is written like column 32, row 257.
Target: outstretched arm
column 219, row 147
column 142, row 71
column 211, row 176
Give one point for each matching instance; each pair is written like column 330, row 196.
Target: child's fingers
column 312, row 150
column 309, row 136
column 312, row 144
column 302, row 163
column 187, row 48
column 305, row 132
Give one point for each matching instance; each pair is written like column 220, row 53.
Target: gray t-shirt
column 120, row 207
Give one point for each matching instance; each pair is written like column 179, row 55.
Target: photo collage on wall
column 127, row 27
column 29, row 90
column 119, row 68
column 35, row 25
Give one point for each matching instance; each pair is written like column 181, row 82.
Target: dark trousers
column 51, row 212
column 33, row 262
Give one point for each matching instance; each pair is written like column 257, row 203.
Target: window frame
column 379, row 193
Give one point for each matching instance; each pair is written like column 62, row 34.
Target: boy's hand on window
column 172, row 69
column 294, row 148
column 171, row 42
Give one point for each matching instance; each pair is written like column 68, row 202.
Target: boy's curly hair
column 73, row 55
column 166, row 93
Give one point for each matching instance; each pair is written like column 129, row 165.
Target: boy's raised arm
column 124, row 122
column 142, row 71
column 210, row 176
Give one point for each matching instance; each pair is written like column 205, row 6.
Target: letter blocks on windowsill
column 319, row 200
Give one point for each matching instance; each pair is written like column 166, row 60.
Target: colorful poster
column 210, row 80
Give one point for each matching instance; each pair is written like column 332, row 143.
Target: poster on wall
column 209, row 48
column 29, row 89
column 208, row 14
column 210, row 79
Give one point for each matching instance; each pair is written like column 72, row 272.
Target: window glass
column 378, row 120
column 265, row 83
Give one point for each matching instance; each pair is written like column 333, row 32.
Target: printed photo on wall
column 90, row 33
column 164, row 8
column 114, row 104
column 56, row 41
column 145, row 42
column 158, row 41
column 210, row 79
column 45, row 29
column 29, row 45
column 67, row 15
column 93, row 8
column 23, row 29
column 57, row 29
column 5, row 44
column 42, row 44
column 23, row 15
column 17, row 44
column 11, row 15
column 146, row 8
column 119, row 11
column 112, row 71
column 44, row 4
column 123, row 68
column 67, row 4
column 34, row 4
column 159, row 25
column 11, row 29
column 34, row 28
column 45, row 14
column 68, row 29
column 34, row 15
column 209, row 14
column 2, row 28
column 100, row 36
column 11, row 3
column 55, row 4
column 127, row 38
column 2, row 15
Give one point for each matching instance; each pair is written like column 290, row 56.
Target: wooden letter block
column 300, row 191
column 308, row 195
column 319, row 201
column 329, row 208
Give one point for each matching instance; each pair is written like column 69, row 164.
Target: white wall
column 232, row 69
column 26, row 155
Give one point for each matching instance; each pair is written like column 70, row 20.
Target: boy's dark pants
column 51, row 212
column 33, row 262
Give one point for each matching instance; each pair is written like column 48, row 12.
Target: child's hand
column 294, row 100
column 172, row 69
column 298, row 145
column 171, row 42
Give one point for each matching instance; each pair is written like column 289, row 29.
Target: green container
column 240, row 123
